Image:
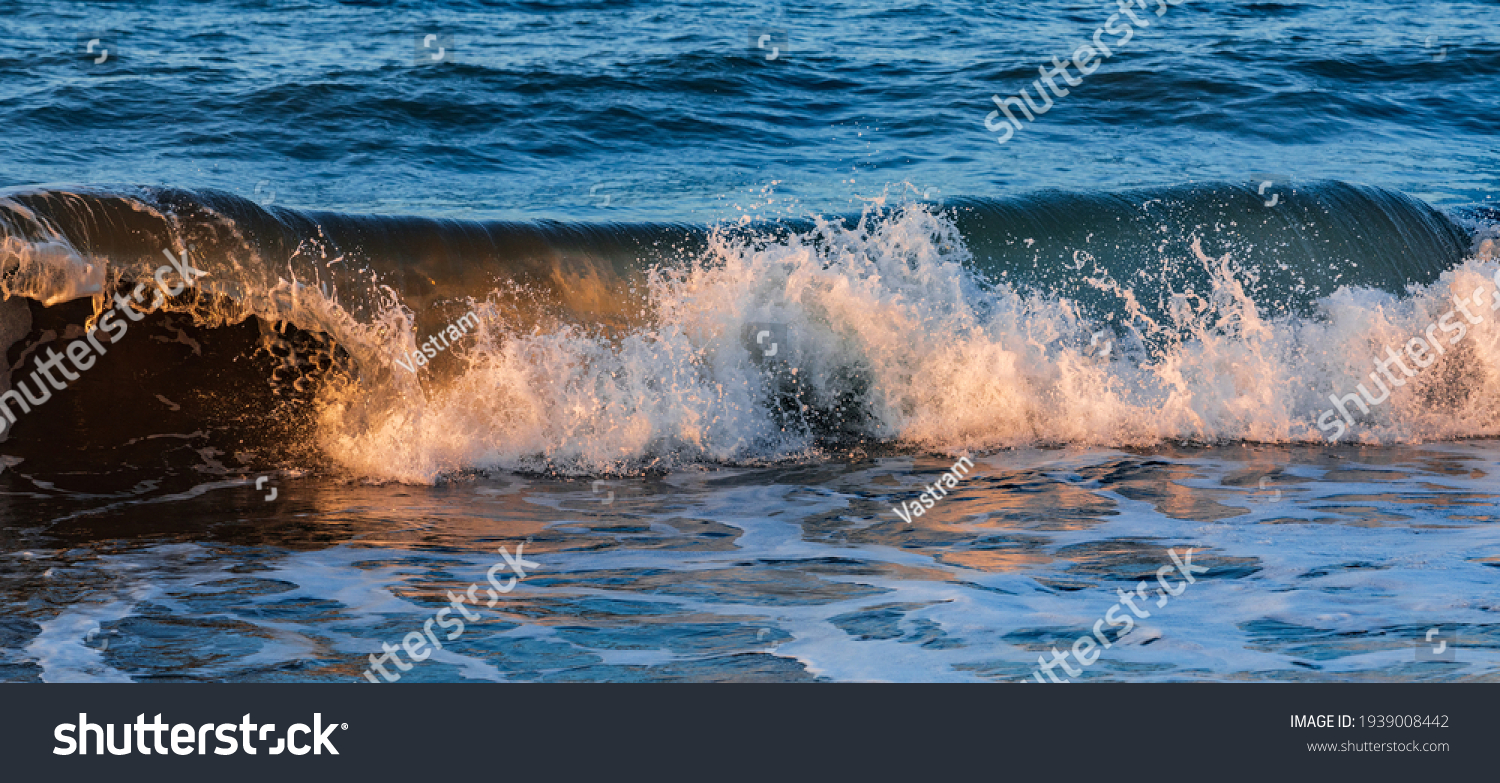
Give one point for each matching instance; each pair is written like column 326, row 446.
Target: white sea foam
column 892, row 332
column 892, row 337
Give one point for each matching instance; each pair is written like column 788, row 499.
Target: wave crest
column 623, row 349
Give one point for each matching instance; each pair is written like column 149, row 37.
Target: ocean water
column 581, row 341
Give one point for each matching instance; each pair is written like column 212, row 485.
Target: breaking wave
column 1197, row 313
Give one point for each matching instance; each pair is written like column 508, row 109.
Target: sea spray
column 586, row 361
column 889, row 318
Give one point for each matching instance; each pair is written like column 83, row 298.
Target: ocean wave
column 1198, row 313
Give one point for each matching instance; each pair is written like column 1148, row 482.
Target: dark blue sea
column 651, row 341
